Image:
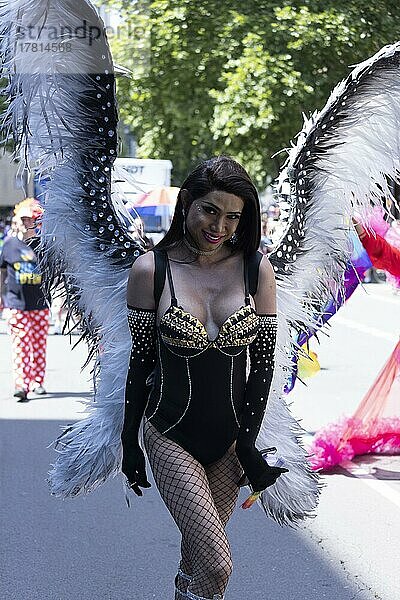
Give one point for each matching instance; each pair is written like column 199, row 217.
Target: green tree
column 293, row 56
column 175, row 60
column 235, row 77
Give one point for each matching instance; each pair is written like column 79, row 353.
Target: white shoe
column 40, row 391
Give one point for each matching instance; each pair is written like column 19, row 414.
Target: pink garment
column 374, row 427
column 28, row 329
column 382, row 254
column 376, row 221
column 393, row 238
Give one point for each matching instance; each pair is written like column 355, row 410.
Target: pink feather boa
column 331, row 446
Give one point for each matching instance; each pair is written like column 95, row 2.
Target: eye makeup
column 211, row 209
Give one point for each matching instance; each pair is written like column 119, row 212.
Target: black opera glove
column 142, row 361
column 262, row 350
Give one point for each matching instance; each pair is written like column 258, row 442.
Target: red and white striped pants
column 28, row 330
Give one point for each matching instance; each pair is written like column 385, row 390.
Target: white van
column 144, row 175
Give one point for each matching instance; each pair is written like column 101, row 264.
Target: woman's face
column 212, row 219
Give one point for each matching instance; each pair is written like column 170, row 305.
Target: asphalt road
column 97, row 548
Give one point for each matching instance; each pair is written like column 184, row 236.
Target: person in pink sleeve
column 382, row 254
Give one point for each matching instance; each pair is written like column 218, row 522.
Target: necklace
column 198, row 251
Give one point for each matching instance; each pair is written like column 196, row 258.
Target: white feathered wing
column 62, row 114
column 345, row 159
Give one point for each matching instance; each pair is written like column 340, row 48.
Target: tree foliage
column 235, row 77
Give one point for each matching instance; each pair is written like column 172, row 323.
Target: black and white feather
column 63, row 117
column 344, row 161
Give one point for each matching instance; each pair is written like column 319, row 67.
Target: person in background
column 28, row 313
column 58, row 311
column 266, row 244
column 275, row 225
column 2, row 232
column 6, row 228
column 382, row 254
column 373, row 428
column 392, row 236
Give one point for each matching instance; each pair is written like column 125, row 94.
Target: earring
column 184, row 222
column 234, row 238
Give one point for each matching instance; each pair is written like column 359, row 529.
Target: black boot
column 22, row 395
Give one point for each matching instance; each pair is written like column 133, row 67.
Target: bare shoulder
column 265, row 298
column 140, row 291
column 266, row 269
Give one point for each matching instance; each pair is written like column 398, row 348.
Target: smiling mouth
column 212, row 239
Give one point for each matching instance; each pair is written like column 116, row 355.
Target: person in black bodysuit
column 199, row 304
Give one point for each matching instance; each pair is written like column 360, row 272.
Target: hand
column 257, row 470
column 359, row 228
column 134, row 467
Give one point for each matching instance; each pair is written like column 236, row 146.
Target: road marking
column 366, row 329
column 377, row 485
column 376, row 291
column 395, row 300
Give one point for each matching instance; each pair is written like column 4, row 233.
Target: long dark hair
column 224, row 174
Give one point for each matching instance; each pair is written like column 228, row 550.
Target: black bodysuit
column 198, row 390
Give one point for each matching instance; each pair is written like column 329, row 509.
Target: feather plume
column 344, row 160
column 62, row 115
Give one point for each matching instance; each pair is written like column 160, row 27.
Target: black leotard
column 199, row 384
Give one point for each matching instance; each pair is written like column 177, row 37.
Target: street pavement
column 95, row 548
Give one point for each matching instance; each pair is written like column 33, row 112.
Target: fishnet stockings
column 201, row 501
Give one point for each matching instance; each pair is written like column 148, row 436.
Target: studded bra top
column 180, row 329
column 198, row 384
